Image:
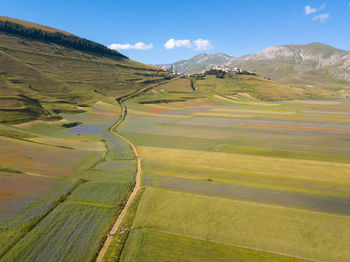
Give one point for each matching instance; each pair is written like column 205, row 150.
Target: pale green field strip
column 108, row 107
column 312, row 102
column 163, row 106
column 264, row 180
column 40, row 175
column 267, row 111
column 326, row 112
column 274, row 113
column 229, row 115
column 232, row 101
column 314, row 117
column 288, row 117
column 329, row 171
column 150, row 245
column 295, row 232
column 299, row 128
column 243, row 96
column 71, row 143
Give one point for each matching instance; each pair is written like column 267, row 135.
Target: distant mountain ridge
column 201, row 62
column 311, row 63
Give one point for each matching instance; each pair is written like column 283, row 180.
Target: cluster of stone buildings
column 228, row 69
column 224, row 68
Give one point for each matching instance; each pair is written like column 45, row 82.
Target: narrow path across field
column 138, row 169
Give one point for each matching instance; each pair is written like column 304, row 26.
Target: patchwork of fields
column 257, row 181
column 62, row 188
column 224, row 176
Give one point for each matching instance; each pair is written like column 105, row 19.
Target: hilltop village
column 221, row 68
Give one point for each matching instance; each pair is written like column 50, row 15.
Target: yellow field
column 330, row 171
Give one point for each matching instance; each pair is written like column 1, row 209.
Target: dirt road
column 138, row 169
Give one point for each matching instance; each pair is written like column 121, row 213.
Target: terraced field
column 223, row 178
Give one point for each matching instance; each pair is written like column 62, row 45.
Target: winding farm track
column 138, row 168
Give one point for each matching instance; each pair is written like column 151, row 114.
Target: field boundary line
column 59, row 201
column 137, row 186
column 229, row 244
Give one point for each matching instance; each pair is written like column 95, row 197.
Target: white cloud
column 322, row 17
column 172, row 43
column 137, row 46
column 202, row 44
column 199, row 44
column 310, row 10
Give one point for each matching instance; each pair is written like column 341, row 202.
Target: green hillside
column 253, row 87
column 32, row 25
column 61, row 78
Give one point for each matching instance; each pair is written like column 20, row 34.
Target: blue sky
column 232, row 27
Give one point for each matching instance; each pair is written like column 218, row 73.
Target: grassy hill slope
column 32, row 25
column 253, row 87
column 61, row 78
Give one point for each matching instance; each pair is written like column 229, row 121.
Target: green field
column 240, row 178
column 68, row 197
column 147, row 245
column 294, row 232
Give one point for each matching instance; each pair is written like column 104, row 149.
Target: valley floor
column 224, row 179
column 241, row 181
column 62, row 188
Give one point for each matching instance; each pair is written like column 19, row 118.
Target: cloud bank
column 137, row 46
column 199, row 44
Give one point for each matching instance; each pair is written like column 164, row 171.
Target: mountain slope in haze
column 41, row 78
column 298, row 64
